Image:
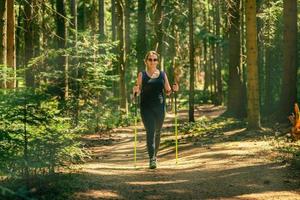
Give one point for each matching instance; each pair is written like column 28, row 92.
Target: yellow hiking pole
column 135, row 127
column 176, row 127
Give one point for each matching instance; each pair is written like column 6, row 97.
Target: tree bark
column 28, row 37
column 3, row 40
column 75, row 71
column 219, row 96
column 61, row 44
column 252, row 68
column 101, row 20
column 158, row 25
column 268, row 68
column 141, row 46
column 236, row 95
column 289, row 79
column 127, row 32
column 11, row 47
column 121, row 55
column 191, row 59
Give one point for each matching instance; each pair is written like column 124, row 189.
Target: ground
column 236, row 164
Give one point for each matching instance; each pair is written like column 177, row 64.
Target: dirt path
column 226, row 169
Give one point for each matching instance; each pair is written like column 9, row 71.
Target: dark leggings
column 153, row 118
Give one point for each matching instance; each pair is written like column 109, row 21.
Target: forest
column 70, row 125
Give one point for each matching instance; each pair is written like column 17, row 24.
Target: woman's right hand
column 136, row 90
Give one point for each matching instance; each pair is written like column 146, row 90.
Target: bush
column 35, row 136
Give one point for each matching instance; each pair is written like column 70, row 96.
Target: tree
column 114, row 38
column 121, row 55
column 62, row 63
column 127, row 33
column 158, row 25
column 252, row 68
column 75, row 71
column 28, row 38
column 289, row 78
column 268, row 64
column 2, row 40
column 73, row 5
column 192, row 67
column 101, row 20
column 236, row 94
column 219, row 95
column 113, row 20
column 11, row 47
column 82, row 16
column 141, row 46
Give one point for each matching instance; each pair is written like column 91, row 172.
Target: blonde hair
column 151, row 53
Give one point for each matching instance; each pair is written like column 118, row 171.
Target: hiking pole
column 176, row 126
column 135, row 126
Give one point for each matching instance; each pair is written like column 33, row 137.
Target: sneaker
column 152, row 164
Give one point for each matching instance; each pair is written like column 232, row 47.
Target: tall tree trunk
column 121, row 55
column 141, row 45
column 236, row 106
column 210, row 54
column 113, row 20
column 11, row 49
column 127, row 30
column 219, row 96
column 19, row 39
column 289, row 80
column 61, row 44
column 115, row 87
column 260, row 50
column 73, row 5
column 28, row 37
column 158, row 25
column 127, row 38
column 75, row 71
column 205, row 64
column 205, row 52
column 252, row 68
column 101, row 20
column 2, row 40
column 82, row 16
column 36, row 37
column 268, row 68
column 93, row 17
column 191, row 59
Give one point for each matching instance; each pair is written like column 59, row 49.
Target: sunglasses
column 150, row 59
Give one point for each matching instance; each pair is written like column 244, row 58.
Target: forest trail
column 235, row 166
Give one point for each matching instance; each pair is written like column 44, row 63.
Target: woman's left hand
column 175, row 87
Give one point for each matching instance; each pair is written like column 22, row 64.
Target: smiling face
column 151, row 60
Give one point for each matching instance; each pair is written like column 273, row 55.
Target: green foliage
column 215, row 126
column 205, row 130
column 290, row 151
column 200, row 97
column 35, row 136
column 21, row 193
column 91, row 77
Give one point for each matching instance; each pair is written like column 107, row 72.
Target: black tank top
column 152, row 90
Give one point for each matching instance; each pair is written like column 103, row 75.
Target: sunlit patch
column 178, row 191
column 154, row 197
column 95, row 194
column 286, row 195
column 155, row 182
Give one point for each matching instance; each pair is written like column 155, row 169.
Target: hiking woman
column 151, row 85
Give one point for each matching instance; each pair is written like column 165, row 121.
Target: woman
column 150, row 84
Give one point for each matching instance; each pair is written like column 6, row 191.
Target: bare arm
column 167, row 85
column 138, row 85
